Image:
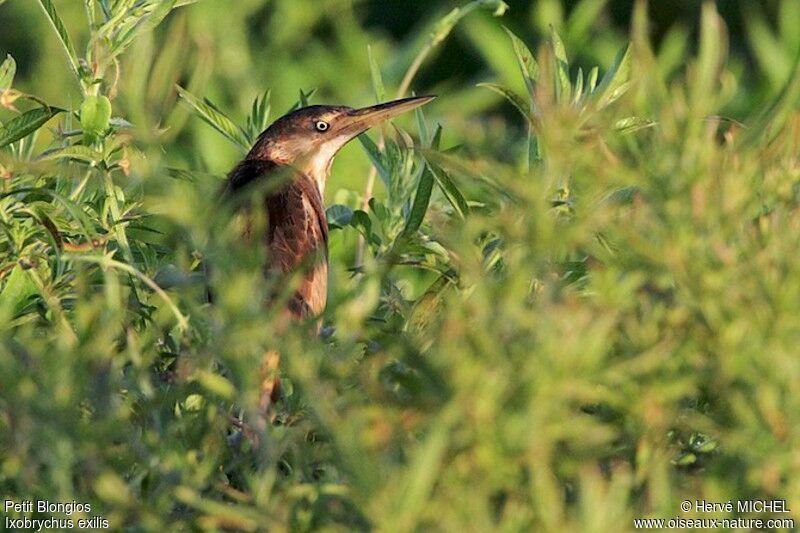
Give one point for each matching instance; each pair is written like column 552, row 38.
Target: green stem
column 116, row 215
column 106, row 262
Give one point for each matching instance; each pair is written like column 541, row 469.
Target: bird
column 292, row 160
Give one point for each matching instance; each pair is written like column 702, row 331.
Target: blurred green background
column 231, row 54
column 577, row 304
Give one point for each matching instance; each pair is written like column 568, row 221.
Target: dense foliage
column 579, row 310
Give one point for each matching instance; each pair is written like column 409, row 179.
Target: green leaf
column 446, row 24
column 512, row 97
column 76, row 152
column 215, row 118
column 632, row 124
column 702, row 443
column 449, row 189
column 63, row 36
column 7, row 70
column 422, row 127
column 712, row 53
column 304, row 98
column 770, row 121
column 362, row 223
column 259, row 116
column 338, row 216
column 72, row 208
column 616, row 80
column 562, row 82
column 437, row 137
column 424, row 247
column 416, row 484
column 27, row 123
column 377, row 79
column 623, row 195
column 379, row 210
column 578, row 91
column 684, row 459
column 591, row 82
column 18, row 289
column 527, row 64
column 216, row 384
column 421, row 201
column 376, row 158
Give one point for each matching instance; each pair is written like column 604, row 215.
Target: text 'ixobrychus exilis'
column 303, row 144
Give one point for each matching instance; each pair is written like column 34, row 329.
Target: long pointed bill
column 360, row 120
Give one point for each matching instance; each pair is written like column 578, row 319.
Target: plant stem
column 116, row 215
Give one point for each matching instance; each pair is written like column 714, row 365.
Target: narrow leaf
column 512, row 97
column 422, row 127
column 421, row 201
column 632, row 124
column 449, row 189
column 63, row 36
column 527, row 64
column 7, row 70
column 562, row 82
column 72, row 208
column 377, row 79
column 437, row 137
column 578, row 92
column 215, row 118
column 303, row 100
column 305, row 97
column 259, row 115
column 591, row 83
column 376, row 158
column 25, row 124
column 76, row 152
column 616, row 80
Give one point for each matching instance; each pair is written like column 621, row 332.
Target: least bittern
column 303, row 144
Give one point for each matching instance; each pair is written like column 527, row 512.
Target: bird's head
column 310, row 137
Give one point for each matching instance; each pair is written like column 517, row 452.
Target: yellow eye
column 321, row 125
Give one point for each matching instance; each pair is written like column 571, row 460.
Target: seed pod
column 95, row 116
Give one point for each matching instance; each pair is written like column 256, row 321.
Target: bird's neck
column 317, row 166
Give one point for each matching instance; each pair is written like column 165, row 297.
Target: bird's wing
column 246, row 172
column 298, row 241
column 297, row 235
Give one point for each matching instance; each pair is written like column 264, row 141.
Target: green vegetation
column 573, row 300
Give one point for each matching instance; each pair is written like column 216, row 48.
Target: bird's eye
column 321, row 125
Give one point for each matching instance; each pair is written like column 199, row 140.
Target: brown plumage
column 296, row 151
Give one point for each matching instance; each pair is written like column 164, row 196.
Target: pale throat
column 317, row 165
